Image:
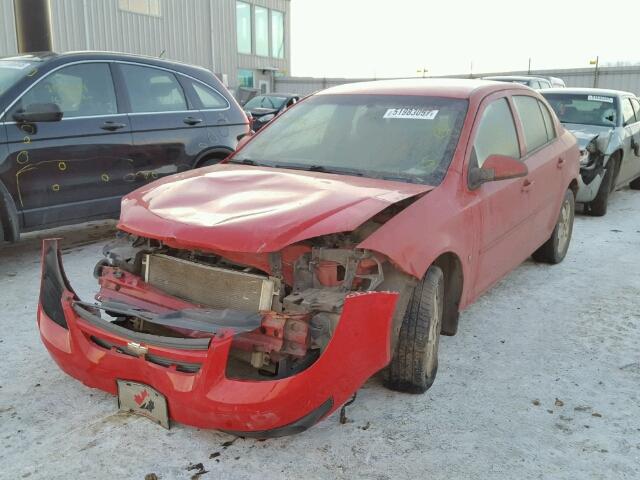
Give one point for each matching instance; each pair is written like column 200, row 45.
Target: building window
column 245, row 78
column 144, row 7
column 243, row 27
column 262, row 31
column 277, row 34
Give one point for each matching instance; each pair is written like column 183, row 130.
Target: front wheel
column 555, row 249
column 635, row 184
column 415, row 362
column 598, row 207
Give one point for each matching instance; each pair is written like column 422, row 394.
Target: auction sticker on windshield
column 411, row 113
column 598, row 98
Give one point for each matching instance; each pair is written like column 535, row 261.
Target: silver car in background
column 607, row 126
column 537, row 83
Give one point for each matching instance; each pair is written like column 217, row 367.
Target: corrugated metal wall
column 181, row 31
column 8, row 43
column 617, row 78
column 200, row 32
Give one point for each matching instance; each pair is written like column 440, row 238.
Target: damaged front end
column 594, row 160
column 258, row 344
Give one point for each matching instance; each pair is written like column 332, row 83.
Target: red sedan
column 258, row 295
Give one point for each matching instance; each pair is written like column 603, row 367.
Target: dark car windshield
column 11, row 72
column 265, row 101
column 586, row 109
column 406, row 138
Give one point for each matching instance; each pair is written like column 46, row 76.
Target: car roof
column 587, row 91
column 515, row 77
column 277, row 94
column 46, row 57
column 428, row 87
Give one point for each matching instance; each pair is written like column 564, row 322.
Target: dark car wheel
column 598, row 207
column 415, row 362
column 635, row 184
column 555, row 249
column 213, row 159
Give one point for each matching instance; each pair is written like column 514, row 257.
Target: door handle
column 560, row 162
column 112, row 126
column 527, row 184
column 192, row 120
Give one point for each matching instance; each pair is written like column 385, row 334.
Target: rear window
column 586, row 109
column 266, row 101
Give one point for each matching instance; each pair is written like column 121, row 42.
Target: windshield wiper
column 248, row 161
column 320, row 168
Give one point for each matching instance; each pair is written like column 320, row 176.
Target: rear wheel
column 415, row 362
column 555, row 249
column 635, row 184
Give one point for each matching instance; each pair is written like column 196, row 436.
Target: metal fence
column 617, row 78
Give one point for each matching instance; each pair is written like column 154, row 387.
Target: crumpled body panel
column 240, row 208
column 359, row 347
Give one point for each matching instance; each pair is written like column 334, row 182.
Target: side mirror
column 244, row 138
column 497, row 167
column 39, row 112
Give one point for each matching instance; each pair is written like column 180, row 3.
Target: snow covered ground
column 542, row 381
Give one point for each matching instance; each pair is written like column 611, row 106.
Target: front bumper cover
column 203, row 396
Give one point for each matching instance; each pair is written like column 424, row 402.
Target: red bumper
column 205, row 398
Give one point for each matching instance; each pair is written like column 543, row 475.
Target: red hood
column 240, row 208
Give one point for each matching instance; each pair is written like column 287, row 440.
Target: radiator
column 210, row 286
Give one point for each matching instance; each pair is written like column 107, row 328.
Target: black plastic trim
column 53, row 285
column 145, row 338
column 296, row 427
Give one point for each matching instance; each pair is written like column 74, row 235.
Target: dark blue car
column 80, row 130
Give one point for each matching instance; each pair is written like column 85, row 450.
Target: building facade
column 246, row 43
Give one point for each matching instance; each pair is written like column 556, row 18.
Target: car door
column 630, row 166
column 503, row 205
column 168, row 132
column 544, row 160
column 74, row 168
column 216, row 110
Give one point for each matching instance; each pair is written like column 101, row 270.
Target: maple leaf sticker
column 141, row 397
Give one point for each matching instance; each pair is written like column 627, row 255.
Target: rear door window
column 153, row 90
column 548, row 121
column 81, row 90
column 636, row 107
column 533, row 124
column 496, row 133
column 628, row 115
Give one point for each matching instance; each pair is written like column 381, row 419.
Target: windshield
column 265, row 101
column 600, row 110
column 406, row 138
column 11, row 71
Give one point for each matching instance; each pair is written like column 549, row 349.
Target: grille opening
column 208, row 285
column 183, row 367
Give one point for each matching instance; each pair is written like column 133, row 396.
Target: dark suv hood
column 255, row 209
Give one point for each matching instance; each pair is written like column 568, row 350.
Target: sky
column 387, row 38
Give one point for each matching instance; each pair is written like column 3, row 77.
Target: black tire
column 212, row 160
column 598, row 207
column 635, row 184
column 555, row 249
column 414, row 365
